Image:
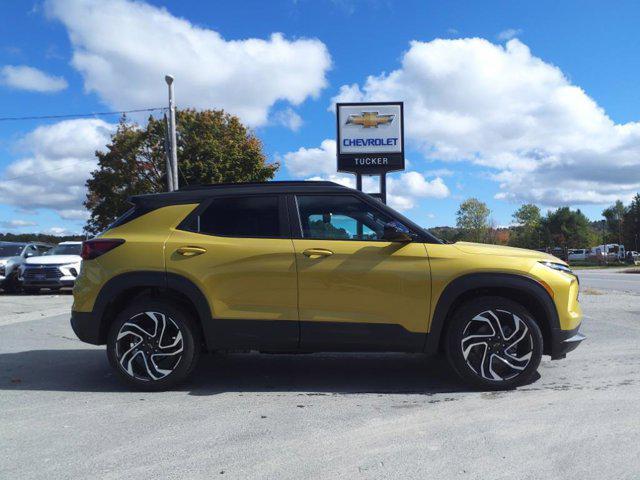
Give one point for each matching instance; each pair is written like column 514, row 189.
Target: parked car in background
column 14, row 254
column 609, row 252
column 579, row 254
column 56, row 269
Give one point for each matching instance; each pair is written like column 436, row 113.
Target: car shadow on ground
column 87, row 370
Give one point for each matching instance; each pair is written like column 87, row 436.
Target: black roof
column 196, row 193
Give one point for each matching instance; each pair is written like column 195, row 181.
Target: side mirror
column 393, row 233
column 30, row 254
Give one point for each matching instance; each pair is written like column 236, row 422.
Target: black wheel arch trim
column 166, row 281
column 478, row 281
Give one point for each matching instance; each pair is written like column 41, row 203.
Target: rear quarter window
column 248, row 216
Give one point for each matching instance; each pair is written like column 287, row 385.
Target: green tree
column 527, row 232
column 213, row 147
column 614, row 216
column 566, row 228
column 472, row 218
column 631, row 225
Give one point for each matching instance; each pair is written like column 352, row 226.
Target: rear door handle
column 317, row 252
column 190, row 251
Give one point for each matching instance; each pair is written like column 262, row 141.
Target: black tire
column 30, row 290
column 11, row 283
column 494, row 343
column 132, row 355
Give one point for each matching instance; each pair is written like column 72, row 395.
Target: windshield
column 10, row 250
column 65, row 250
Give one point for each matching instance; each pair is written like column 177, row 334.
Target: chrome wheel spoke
column 127, row 357
column 152, row 369
column 133, row 329
column 514, row 362
column 520, row 332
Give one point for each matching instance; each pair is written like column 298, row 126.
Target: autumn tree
column 212, row 145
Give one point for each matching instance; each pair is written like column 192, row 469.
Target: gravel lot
column 64, row 415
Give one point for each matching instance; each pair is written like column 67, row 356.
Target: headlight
column 557, row 266
column 72, row 268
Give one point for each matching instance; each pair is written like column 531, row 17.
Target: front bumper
column 565, row 341
column 87, row 327
column 49, row 283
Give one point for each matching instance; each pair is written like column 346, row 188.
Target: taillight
column 98, row 246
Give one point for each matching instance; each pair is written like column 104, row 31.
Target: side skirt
column 306, row 336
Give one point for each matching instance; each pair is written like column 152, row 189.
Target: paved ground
column 610, row 279
column 63, row 414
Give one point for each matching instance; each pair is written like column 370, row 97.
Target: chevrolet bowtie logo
column 369, row 119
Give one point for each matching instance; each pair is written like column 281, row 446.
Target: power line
column 80, row 115
column 46, row 171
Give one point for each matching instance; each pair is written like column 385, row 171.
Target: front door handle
column 190, row 251
column 317, row 252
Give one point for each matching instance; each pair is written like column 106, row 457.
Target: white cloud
column 74, row 214
column 23, row 77
column 288, row 118
column 58, row 160
column 402, row 189
column 544, row 139
column 58, row 231
column 123, row 49
column 311, row 161
column 17, row 223
column 509, row 33
column 440, row 172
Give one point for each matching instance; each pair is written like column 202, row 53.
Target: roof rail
column 292, row 183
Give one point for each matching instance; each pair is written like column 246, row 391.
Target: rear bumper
column 86, row 327
column 565, row 341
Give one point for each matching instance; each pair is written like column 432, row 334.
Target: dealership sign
column 370, row 137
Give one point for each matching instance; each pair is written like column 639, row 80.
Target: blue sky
column 540, row 107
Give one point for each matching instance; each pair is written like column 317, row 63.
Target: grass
column 590, row 266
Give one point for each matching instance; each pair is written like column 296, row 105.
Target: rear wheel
column 494, row 343
column 153, row 345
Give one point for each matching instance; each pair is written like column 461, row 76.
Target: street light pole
column 172, row 132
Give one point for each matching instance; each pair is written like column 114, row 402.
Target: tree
column 614, row 216
column 566, row 228
column 526, row 233
column 631, row 225
column 213, row 147
column 472, row 218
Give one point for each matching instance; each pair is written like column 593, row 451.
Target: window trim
column 298, row 234
column 205, row 204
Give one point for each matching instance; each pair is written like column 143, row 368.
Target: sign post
column 370, row 140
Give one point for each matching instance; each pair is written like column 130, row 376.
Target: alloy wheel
column 497, row 345
column 149, row 346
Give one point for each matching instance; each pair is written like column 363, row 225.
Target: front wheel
column 494, row 343
column 153, row 345
column 12, row 284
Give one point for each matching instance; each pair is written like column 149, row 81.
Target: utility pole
column 167, row 155
column 172, row 132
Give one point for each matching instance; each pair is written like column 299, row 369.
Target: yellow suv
column 312, row 267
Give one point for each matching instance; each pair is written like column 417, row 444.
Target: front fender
column 508, row 282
